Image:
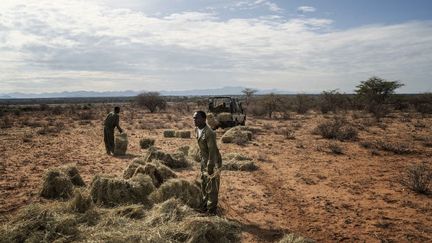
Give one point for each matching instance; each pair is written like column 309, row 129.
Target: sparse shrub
column 418, row 178
column 303, row 103
column 152, row 101
column 423, row 103
column 338, row 129
column 86, row 115
column 288, row 133
column 332, row 101
column 146, row 143
column 397, row 148
column 6, row 122
column 271, row 103
column 335, row 148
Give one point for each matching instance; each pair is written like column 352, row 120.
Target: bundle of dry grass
column 146, row 143
column 184, row 150
column 37, row 223
column 194, row 153
column 81, row 202
column 292, row 238
column 236, row 161
column 172, row 210
column 56, row 185
column 209, row 229
column 169, row 133
column 135, row 211
column 183, row 134
column 238, row 135
column 175, row 161
column 73, row 173
column 164, row 170
column 133, row 165
column 121, row 143
column 188, row 192
column 212, row 121
column 224, row 117
column 110, row 191
column 152, row 171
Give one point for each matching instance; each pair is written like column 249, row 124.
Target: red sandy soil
column 301, row 186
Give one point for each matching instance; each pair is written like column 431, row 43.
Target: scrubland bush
column 338, row 129
column 418, row 177
column 152, row 101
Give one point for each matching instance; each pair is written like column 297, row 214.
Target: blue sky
column 300, row 46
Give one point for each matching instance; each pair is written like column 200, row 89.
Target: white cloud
column 75, row 45
column 306, row 9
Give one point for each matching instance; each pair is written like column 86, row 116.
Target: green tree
column 152, row 101
column 375, row 94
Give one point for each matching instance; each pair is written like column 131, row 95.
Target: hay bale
column 169, row 133
column 164, row 170
column 293, row 238
column 172, row 210
column 56, row 185
column 242, row 165
column 110, row 191
column 183, row 134
column 135, row 211
column 174, row 161
column 239, row 135
column 81, row 202
column 186, row 191
column 146, row 143
column 37, row 223
column 194, row 153
column 133, row 165
column 184, row 150
column 152, row 171
column 121, row 143
column 209, row 229
column 73, row 173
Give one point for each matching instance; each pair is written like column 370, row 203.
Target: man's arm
column 116, row 123
column 213, row 152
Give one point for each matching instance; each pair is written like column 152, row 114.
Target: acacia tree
column 152, row 101
column 248, row 92
column 271, row 103
column 375, row 94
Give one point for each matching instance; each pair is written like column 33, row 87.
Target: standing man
column 111, row 121
column 211, row 163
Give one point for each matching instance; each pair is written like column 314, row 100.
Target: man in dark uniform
column 111, row 122
column 211, row 163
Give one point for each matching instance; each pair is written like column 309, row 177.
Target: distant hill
column 128, row 93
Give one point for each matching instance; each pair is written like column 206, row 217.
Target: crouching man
column 211, row 163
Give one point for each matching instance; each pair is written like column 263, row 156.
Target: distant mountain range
column 128, row 93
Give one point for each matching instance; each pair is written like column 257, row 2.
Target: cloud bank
column 76, row 45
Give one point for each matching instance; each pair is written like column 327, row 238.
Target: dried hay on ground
column 37, row 223
column 134, row 211
column 110, row 191
column 224, row 117
column 188, row 192
column 238, row 135
column 212, row 121
column 152, row 171
column 56, row 185
column 236, row 161
column 73, row 173
column 194, row 153
column 133, row 165
column 81, row 202
column 183, row 134
column 292, row 238
column 175, row 161
column 121, row 143
column 146, row 142
column 172, row 210
column 184, row 150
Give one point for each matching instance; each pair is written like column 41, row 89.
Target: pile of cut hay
column 56, row 185
column 194, row 153
column 293, row 238
column 188, row 192
column 183, row 134
column 72, row 172
column 175, row 161
column 161, row 169
column 152, row 171
column 235, row 161
column 224, row 117
column 133, row 165
column 239, row 135
column 109, row 191
column 146, row 143
column 169, row 133
column 81, row 202
column 134, row 211
column 121, row 143
column 184, row 150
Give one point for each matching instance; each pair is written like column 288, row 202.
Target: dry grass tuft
column 146, row 143
column 188, row 192
column 235, row 161
column 56, row 185
column 239, row 135
column 121, row 143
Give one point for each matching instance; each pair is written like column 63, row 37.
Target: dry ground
column 302, row 186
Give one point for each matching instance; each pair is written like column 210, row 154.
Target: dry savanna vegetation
column 324, row 168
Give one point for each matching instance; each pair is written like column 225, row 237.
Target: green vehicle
column 225, row 111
